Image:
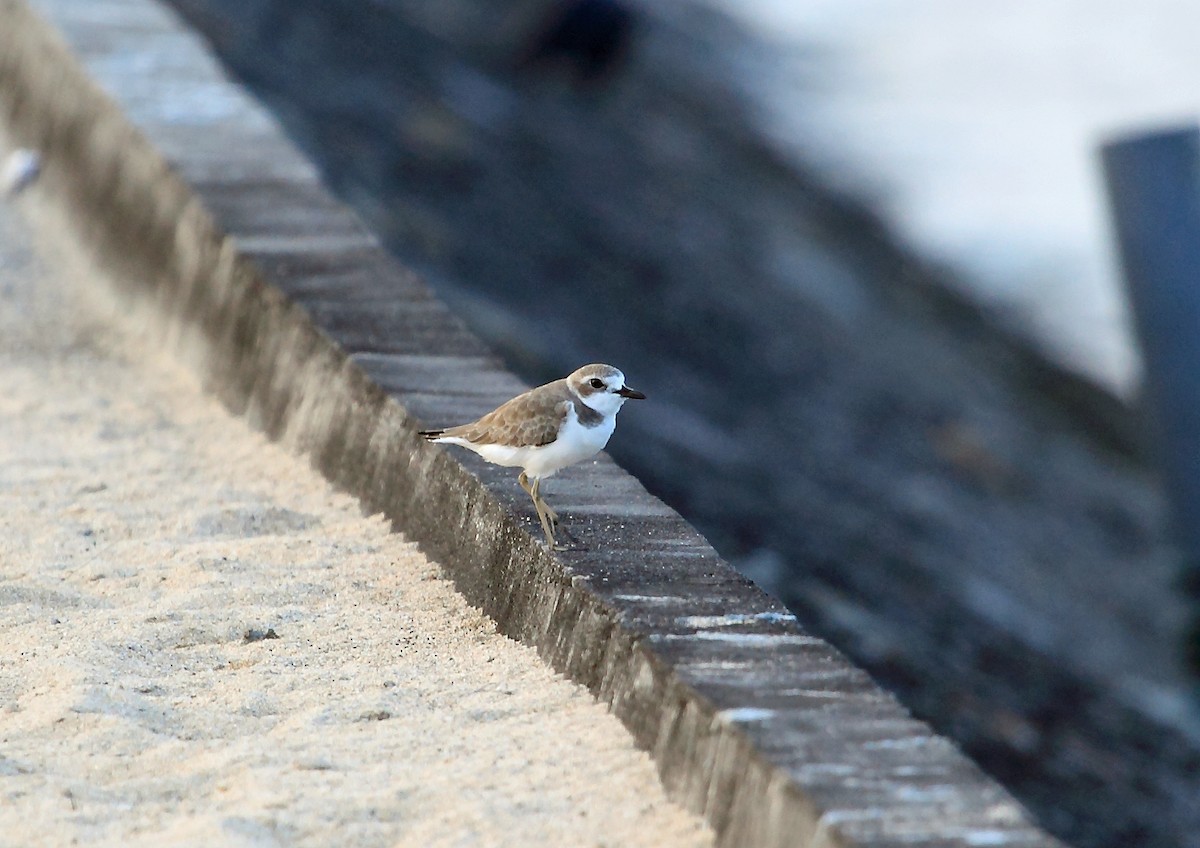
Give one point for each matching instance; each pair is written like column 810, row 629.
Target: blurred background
column 857, row 253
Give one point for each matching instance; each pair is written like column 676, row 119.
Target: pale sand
column 143, row 532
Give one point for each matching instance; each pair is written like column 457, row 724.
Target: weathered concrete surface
column 766, row 730
column 205, row 644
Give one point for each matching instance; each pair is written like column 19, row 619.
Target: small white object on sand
column 20, row 169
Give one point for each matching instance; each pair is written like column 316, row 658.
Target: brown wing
column 527, row 420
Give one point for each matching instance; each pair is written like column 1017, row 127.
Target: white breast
column 575, row 443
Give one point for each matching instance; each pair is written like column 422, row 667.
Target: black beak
column 629, row 393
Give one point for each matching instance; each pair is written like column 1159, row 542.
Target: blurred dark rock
column 588, row 36
column 971, row 524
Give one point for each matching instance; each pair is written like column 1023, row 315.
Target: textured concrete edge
column 264, row 357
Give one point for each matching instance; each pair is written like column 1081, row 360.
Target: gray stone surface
column 764, row 728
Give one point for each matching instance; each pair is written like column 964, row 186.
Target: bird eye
column 596, row 383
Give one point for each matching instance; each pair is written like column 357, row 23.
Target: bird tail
column 430, row 435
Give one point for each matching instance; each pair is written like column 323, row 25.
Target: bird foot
column 562, row 541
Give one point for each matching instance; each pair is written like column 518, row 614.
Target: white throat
column 606, row 403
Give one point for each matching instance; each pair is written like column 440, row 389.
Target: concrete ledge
column 189, row 197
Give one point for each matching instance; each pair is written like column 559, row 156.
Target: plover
column 547, row 429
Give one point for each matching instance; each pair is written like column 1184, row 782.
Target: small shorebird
column 546, row 429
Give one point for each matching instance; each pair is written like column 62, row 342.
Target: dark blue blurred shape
column 1154, row 189
column 588, row 36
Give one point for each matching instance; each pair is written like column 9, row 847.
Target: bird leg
column 548, row 516
column 537, row 498
column 549, row 512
